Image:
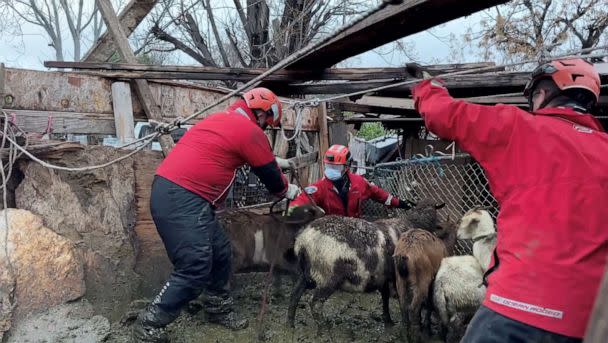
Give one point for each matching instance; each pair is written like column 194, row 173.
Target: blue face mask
column 333, row 172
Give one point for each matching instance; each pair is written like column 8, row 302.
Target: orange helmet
column 337, row 154
column 264, row 99
column 567, row 74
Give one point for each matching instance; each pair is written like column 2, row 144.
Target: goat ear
column 439, row 206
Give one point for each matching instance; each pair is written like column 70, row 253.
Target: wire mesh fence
column 458, row 182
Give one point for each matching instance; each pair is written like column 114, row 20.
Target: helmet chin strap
column 546, row 101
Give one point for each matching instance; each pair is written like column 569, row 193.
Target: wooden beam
column 392, row 23
column 129, row 18
column 64, row 122
column 123, row 112
column 81, row 99
column 175, row 72
column 338, row 130
column 323, row 134
column 305, row 160
column 143, row 90
column 353, row 120
column 460, row 86
column 377, row 109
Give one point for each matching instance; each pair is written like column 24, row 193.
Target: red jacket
column 206, row 158
column 325, row 195
column 549, row 174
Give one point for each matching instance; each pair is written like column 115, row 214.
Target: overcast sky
column 31, row 49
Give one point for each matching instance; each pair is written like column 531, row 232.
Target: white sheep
column 458, row 291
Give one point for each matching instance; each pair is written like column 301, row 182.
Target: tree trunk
column 257, row 23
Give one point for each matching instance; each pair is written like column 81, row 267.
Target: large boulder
column 44, row 269
column 94, row 209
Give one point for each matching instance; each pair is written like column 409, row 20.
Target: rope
column 298, row 123
column 13, row 155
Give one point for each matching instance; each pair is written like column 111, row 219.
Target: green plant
column 370, row 131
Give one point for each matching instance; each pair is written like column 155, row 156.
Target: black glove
column 406, row 204
column 417, row 71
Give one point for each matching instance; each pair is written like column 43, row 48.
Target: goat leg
column 415, row 316
column 296, row 294
column 386, row 314
column 319, row 296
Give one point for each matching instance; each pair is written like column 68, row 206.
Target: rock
column 47, row 270
column 96, row 210
column 73, row 322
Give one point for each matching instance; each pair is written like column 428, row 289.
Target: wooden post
column 130, row 17
column 123, row 112
column 338, row 129
column 597, row 328
column 143, row 90
column 323, row 134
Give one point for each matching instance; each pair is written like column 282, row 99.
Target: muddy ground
column 354, row 317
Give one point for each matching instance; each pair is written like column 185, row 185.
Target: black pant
column 488, row 326
column 195, row 243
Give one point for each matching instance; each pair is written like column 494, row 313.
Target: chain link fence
column 458, row 182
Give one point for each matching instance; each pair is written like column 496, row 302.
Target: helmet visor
column 539, row 72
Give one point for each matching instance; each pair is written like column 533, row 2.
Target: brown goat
column 258, row 240
column 417, row 257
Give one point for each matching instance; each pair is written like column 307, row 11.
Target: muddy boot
column 150, row 325
column 220, row 311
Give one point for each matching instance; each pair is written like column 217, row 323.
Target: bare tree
column 523, row 29
column 251, row 33
column 53, row 16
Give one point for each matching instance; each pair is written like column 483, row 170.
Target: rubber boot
column 220, row 311
column 150, row 325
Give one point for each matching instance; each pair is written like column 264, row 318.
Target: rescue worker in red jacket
column 547, row 170
column 341, row 192
column 189, row 184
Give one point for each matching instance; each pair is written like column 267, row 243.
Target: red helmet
column 264, row 99
column 337, row 154
column 567, row 74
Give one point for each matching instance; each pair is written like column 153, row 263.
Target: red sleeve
column 479, row 130
column 302, row 199
column 380, row 195
column 256, row 151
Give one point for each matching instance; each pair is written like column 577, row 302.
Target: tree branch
column 239, row 9
column 235, row 49
column 198, row 40
column 164, row 36
column 218, row 39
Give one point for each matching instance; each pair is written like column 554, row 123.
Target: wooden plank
column 46, row 149
column 353, row 120
column 175, row 72
column 281, row 146
column 143, row 90
column 338, row 130
column 129, row 18
column 323, row 133
column 597, row 327
column 391, row 23
column 305, row 160
column 64, row 122
column 123, row 112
